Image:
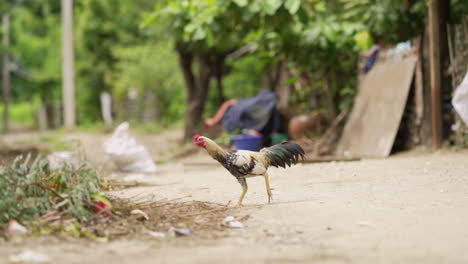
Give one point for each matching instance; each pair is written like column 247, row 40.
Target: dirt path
column 405, row 209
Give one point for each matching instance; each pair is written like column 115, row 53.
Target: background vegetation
column 168, row 61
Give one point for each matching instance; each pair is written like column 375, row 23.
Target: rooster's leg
column 267, row 183
column 243, row 182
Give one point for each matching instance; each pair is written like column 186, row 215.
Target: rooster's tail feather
column 283, row 154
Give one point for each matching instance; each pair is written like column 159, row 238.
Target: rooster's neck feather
column 215, row 150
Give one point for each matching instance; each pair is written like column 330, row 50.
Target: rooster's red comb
column 196, row 137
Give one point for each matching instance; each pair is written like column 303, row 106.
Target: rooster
column 243, row 164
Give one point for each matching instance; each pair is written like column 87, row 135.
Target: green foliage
column 101, row 25
column 206, row 27
column 199, row 24
column 244, row 79
column 227, row 25
column 363, row 40
column 56, row 142
column 458, row 11
column 35, row 49
column 311, row 36
column 21, row 113
column 151, row 69
column 319, row 40
column 30, row 190
column 388, row 20
column 118, row 56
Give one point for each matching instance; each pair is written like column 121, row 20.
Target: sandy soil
column 410, row 208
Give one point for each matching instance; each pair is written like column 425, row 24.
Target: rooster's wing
column 244, row 163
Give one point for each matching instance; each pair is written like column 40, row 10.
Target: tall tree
column 207, row 31
column 35, row 52
column 6, row 72
column 102, row 25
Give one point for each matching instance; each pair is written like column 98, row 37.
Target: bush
column 29, row 190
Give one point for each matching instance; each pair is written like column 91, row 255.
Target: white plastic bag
column 460, row 99
column 126, row 154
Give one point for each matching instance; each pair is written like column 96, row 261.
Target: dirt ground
column 410, row 208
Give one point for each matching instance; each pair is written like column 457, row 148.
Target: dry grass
column 164, row 216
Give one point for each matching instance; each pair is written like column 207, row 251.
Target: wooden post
column 67, row 65
column 106, row 108
column 435, row 71
column 6, row 73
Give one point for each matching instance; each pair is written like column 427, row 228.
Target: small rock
column 155, row 234
column 16, row 228
column 183, row 232
column 29, row 256
column 235, row 224
column 229, row 218
column 231, row 222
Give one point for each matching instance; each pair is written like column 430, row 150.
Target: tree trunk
column 271, row 76
column 219, row 72
column 283, row 89
column 6, row 74
column 185, row 60
column 197, row 104
column 196, row 87
column 328, row 89
column 219, row 86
